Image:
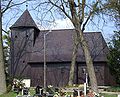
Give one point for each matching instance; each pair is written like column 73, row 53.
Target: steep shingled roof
column 25, row 20
column 59, row 46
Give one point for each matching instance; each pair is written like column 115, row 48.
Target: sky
column 107, row 29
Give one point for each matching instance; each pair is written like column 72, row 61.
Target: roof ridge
column 69, row 29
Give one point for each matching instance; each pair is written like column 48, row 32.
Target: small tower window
column 26, row 35
column 23, row 61
column 15, row 36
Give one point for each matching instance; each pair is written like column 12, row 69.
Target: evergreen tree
column 114, row 56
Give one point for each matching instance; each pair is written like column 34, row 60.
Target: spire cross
column 26, row 4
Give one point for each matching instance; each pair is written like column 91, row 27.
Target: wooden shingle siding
column 27, row 54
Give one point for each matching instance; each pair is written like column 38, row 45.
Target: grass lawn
column 109, row 95
column 113, row 89
column 32, row 92
column 10, row 94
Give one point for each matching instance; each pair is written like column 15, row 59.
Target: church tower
column 23, row 35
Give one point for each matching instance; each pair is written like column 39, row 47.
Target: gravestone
column 39, row 90
column 56, row 89
column 50, row 95
column 75, row 93
column 25, row 91
column 16, row 88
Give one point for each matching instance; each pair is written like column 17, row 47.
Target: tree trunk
column 88, row 59
column 77, row 24
column 89, row 62
column 2, row 71
column 73, row 61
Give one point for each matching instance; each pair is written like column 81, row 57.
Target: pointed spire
column 25, row 21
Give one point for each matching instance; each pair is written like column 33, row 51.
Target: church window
column 23, row 61
column 26, row 35
column 15, row 36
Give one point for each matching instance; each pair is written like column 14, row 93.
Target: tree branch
column 4, row 31
column 90, row 14
column 83, row 9
column 63, row 10
column 8, row 6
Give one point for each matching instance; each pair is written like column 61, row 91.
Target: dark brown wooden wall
column 21, row 43
column 58, row 74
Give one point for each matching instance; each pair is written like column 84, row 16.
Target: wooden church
column 27, row 54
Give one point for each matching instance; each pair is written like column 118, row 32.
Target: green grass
column 109, row 95
column 32, row 92
column 10, row 94
column 113, row 89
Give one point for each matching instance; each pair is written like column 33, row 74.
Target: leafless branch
column 83, row 9
column 4, row 31
column 10, row 6
column 63, row 10
column 7, row 7
column 90, row 14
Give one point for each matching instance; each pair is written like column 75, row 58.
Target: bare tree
column 77, row 20
column 77, row 12
column 2, row 64
column 3, row 8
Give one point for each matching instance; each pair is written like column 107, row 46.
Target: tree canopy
column 114, row 56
